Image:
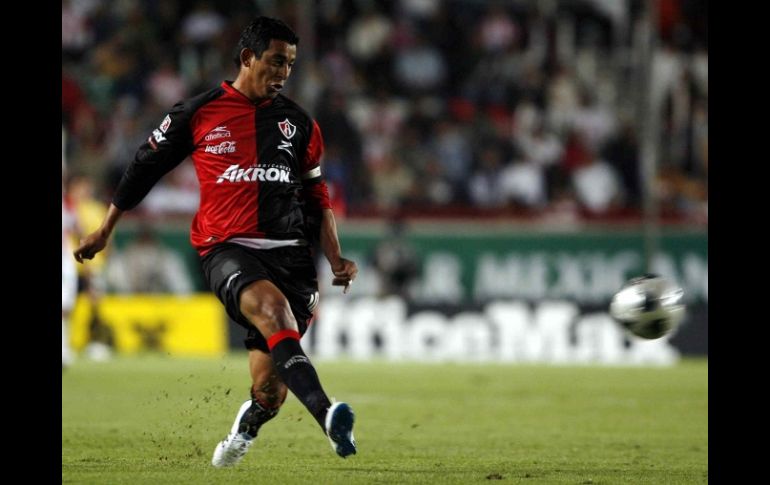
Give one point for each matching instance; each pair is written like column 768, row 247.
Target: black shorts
column 229, row 268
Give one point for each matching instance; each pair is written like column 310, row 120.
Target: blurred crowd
column 457, row 107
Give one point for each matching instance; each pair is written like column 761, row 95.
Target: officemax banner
column 511, row 297
column 511, row 294
column 504, row 331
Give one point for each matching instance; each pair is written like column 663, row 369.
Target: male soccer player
column 257, row 157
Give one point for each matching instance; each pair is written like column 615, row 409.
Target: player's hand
column 345, row 272
column 90, row 245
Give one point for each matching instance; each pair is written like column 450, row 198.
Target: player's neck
column 243, row 85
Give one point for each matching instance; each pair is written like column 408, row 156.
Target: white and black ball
column 648, row 306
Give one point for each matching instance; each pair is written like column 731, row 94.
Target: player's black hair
column 258, row 34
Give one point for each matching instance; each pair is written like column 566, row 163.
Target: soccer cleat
column 339, row 428
column 231, row 450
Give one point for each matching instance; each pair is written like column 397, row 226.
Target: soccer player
column 89, row 212
column 263, row 200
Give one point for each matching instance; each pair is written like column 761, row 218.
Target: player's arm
column 166, row 147
column 344, row 270
column 97, row 240
column 317, row 200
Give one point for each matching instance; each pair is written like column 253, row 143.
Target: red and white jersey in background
column 69, row 276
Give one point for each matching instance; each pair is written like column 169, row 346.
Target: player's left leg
column 267, row 389
column 267, row 395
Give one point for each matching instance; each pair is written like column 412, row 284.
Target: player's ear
column 247, row 57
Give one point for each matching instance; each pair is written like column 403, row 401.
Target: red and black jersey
column 258, row 165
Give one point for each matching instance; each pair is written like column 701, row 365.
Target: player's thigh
column 298, row 281
column 229, row 269
column 266, row 307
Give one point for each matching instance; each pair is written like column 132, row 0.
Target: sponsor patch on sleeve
column 165, row 124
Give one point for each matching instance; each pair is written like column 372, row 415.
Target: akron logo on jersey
column 287, row 128
column 235, row 173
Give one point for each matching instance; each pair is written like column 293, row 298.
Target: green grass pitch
column 156, row 420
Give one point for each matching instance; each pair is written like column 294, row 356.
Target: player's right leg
column 268, row 309
column 267, row 395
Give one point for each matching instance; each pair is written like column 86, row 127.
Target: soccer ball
column 648, row 306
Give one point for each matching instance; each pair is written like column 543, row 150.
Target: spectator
column 597, row 186
column 396, row 261
column 373, row 67
column 145, row 265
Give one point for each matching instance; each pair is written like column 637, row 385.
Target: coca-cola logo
column 224, row 147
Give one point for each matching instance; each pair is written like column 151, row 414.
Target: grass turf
column 151, row 419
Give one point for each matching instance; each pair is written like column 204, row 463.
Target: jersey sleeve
column 316, row 191
column 167, row 146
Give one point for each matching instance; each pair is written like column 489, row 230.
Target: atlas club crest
column 287, row 128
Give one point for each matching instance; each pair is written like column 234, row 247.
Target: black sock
column 298, row 373
column 255, row 417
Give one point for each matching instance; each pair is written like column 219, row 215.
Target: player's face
column 271, row 71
